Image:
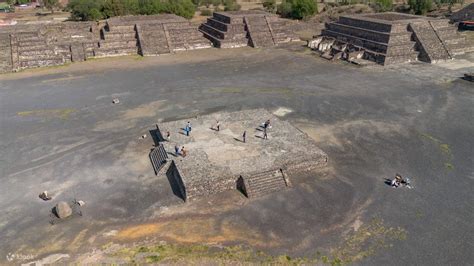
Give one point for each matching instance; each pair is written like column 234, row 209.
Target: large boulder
column 63, row 210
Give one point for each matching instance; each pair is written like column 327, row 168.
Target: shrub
column 270, row 6
column 420, row 7
column 231, row 5
column 383, row 5
column 284, row 9
column 85, row 9
column 297, row 9
column 184, row 8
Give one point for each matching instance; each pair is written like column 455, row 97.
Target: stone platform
column 390, row 38
column 241, row 28
column 216, row 160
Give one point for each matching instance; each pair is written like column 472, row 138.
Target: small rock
column 44, row 196
column 80, row 203
column 62, row 210
column 144, row 136
column 115, row 100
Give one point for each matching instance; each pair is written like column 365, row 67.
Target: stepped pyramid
column 390, row 38
column 246, row 28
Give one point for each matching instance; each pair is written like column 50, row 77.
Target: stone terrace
column 216, row 160
column 389, row 38
column 27, row 46
column 241, row 28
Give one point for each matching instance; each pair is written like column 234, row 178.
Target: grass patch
column 444, row 148
column 49, row 113
column 360, row 244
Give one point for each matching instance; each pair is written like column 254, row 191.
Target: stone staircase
column 153, row 40
column 187, row 37
column 159, row 158
column 429, row 44
column 117, row 41
column 451, row 39
column 260, row 33
column 5, row 53
column 225, row 32
column 263, row 183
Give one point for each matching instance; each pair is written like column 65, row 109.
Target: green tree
column 420, row 7
column 297, row 9
column 86, row 9
column 184, row 8
column 383, row 5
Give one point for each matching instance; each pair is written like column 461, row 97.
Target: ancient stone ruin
column 217, row 161
column 27, row 46
column 242, row 28
column 390, row 38
column 50, row 44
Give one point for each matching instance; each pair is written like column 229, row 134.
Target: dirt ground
column 413, row 119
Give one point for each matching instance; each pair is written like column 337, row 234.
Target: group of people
column 180, row 151
column 399, row 180
column 187, row 130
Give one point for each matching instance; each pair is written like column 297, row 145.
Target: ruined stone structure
column 217, row 161
column 242, row 28
column 390, row 38
column 27, row 46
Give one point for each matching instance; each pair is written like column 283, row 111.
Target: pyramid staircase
column 431, row 47
column 259, row 31
column 263, row 183
column 117, row 41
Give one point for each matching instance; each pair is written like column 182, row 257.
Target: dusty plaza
column 313, row 191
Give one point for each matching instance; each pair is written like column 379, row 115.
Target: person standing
column 186, row 129
column 218, row 126
column 168, row 136
column 176, row 150
column 183, row 152
column 244, row 135
column 266, row 124
column 265, row 136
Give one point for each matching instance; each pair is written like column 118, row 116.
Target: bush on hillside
column 297, row 9
column 420, row 7
column 270, row 6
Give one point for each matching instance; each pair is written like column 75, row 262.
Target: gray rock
column 63, row 210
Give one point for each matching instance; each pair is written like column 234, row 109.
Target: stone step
column 118, row 44
column 119, row 36
column 39, row 57
column 213, row 31
column 31, row 43
column 263, row 191
column 105, row 52
column 44, row 50
column 261, row 183
column 41, row 63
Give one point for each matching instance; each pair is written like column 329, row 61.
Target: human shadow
column 172, row 154
column 258, row 136
column 239, row 140
column 388, row 181
column 212, row 128
column 156, row 136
